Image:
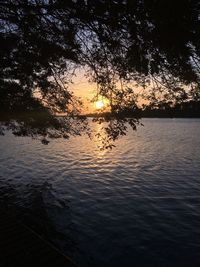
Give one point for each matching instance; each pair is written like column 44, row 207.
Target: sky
column 86, row 90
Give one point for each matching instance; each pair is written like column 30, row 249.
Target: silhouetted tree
column 153, row 44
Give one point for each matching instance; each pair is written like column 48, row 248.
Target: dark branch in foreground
column 123, row 45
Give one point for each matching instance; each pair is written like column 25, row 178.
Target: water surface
column 136, row 205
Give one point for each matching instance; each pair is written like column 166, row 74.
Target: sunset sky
column 86, row 90
column 82, row 88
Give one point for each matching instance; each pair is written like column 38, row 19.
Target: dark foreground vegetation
column 121, row 46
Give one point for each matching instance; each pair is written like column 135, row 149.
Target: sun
column 99, row 104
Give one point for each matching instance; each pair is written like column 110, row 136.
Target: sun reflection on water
column 100, row 137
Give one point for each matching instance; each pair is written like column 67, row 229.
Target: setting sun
column 99, row 104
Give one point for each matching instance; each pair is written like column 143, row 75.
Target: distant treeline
column 189, row 109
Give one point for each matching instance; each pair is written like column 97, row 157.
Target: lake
column 135, row 205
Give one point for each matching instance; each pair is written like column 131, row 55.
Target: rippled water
column 137, row 205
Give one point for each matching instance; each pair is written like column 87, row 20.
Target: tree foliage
column 153, row 44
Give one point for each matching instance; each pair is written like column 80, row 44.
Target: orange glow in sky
column 99, row 104
column 87, row 91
